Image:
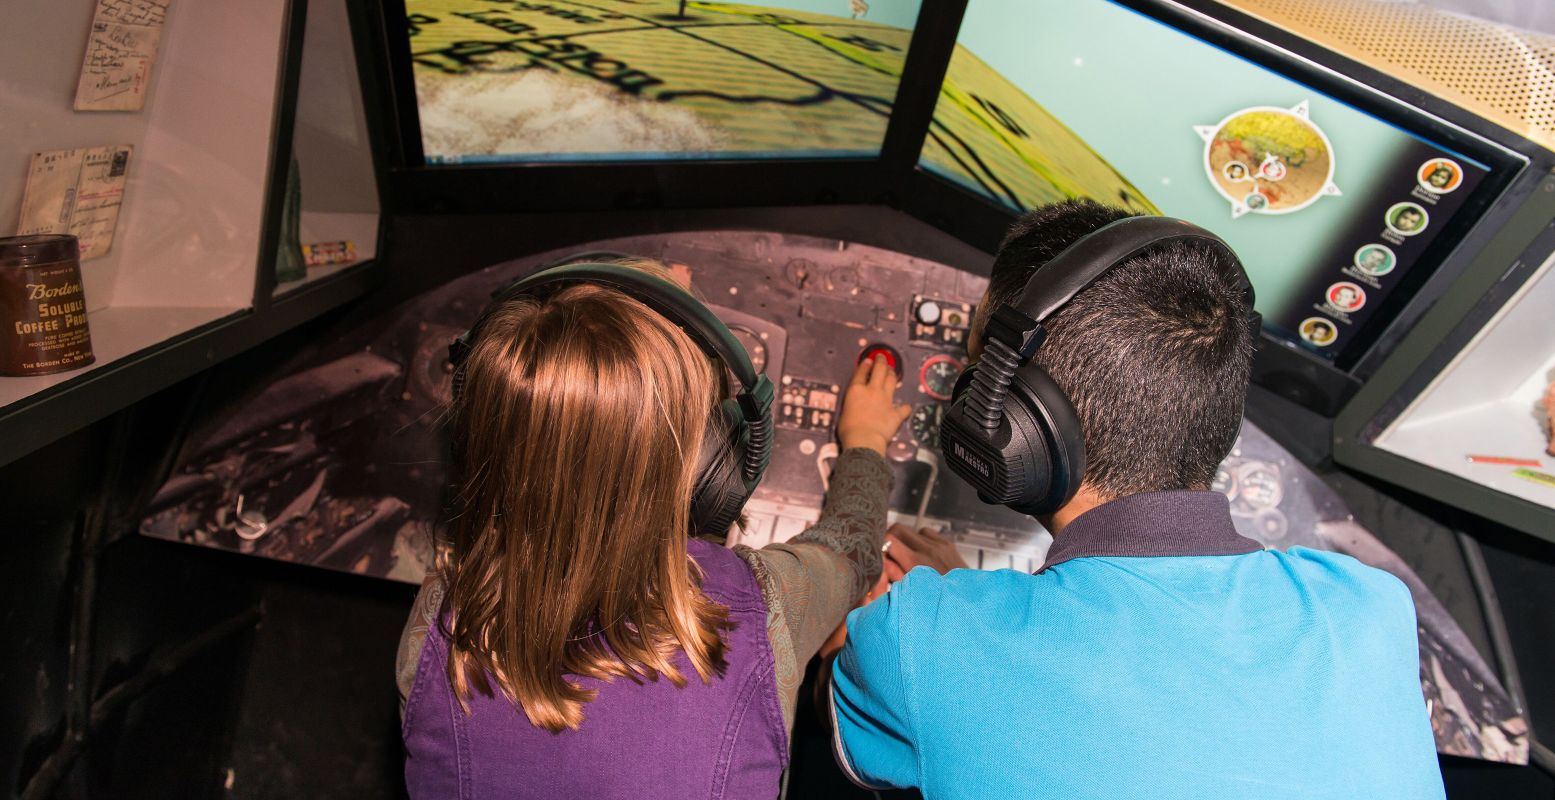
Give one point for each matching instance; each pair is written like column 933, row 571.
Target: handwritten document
column 123, row 44
column 78, row 192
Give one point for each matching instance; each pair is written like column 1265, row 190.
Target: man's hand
column 903, row 551
column 906, row 549
column 834, row 642
column 869, row 419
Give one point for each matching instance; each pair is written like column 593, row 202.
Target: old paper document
column 77, row 192
column 119, row 53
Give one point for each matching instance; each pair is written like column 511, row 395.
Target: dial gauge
column 1271, row 524
column 753, row 345
column 938, row 376
column 1225, row 483
column 925, row 425
column 1260, row 485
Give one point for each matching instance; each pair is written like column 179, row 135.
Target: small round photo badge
column 1346, row 296
column 1375, row 259
column 1319, row 331
column 1440, row 175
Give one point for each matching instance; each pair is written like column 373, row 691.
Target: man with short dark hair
column 1440, row 176
column 1157, row 653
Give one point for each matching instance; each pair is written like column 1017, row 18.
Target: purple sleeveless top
column 720, row 740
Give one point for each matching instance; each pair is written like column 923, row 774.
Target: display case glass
column 335, row 182
column 189, row 276
column 1488, row 412
column 184, row 251
column 1462, row 410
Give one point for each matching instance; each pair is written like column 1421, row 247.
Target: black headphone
column 1010, row 431
column 737, row 444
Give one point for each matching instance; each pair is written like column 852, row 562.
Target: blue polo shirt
column 1156, row 654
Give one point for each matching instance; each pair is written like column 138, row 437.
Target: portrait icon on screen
column 1346, row 296
column 1407, row 219
column 1440, row 175
column 1255, row 201
column 1375, row 260
column 1272, row 168
column 1235, row 171
column 1319, row 331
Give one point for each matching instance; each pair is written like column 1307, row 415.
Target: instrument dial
column 1225, row 483
column 1261, row 486
column 753, row 345
column 938, row 376
column 1271, row 524
column 925, row 425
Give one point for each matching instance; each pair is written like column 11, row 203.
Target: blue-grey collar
column 1174, row 523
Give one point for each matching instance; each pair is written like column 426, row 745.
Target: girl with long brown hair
column 576, row 640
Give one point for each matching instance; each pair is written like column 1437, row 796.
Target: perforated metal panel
column 1503, row 74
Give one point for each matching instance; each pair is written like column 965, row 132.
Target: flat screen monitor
column 521, row 81
column 1337, row 214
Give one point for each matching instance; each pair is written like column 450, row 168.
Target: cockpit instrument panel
column 339, row 463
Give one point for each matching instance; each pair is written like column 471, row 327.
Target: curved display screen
column 1332, row 210
column 513, row 81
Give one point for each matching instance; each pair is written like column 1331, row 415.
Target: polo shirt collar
column 1174, row 523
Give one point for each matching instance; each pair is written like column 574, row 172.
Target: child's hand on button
column 869, row 417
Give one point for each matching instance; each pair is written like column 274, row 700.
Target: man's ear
column 974, row 339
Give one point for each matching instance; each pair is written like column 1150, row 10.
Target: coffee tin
column 43, row 326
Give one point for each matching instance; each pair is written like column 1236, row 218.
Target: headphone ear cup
column 1040, row 413
column 1045, row 449
column 720, row 492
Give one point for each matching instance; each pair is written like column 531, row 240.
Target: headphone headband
column 667, row 299
column 1011, row 432
column 752, row 422
column 1090, row 257
column 1057, row 282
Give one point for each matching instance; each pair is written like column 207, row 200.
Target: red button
column 893, row 359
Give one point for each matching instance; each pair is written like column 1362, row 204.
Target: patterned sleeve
column 812, row 581
column 422, row 616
